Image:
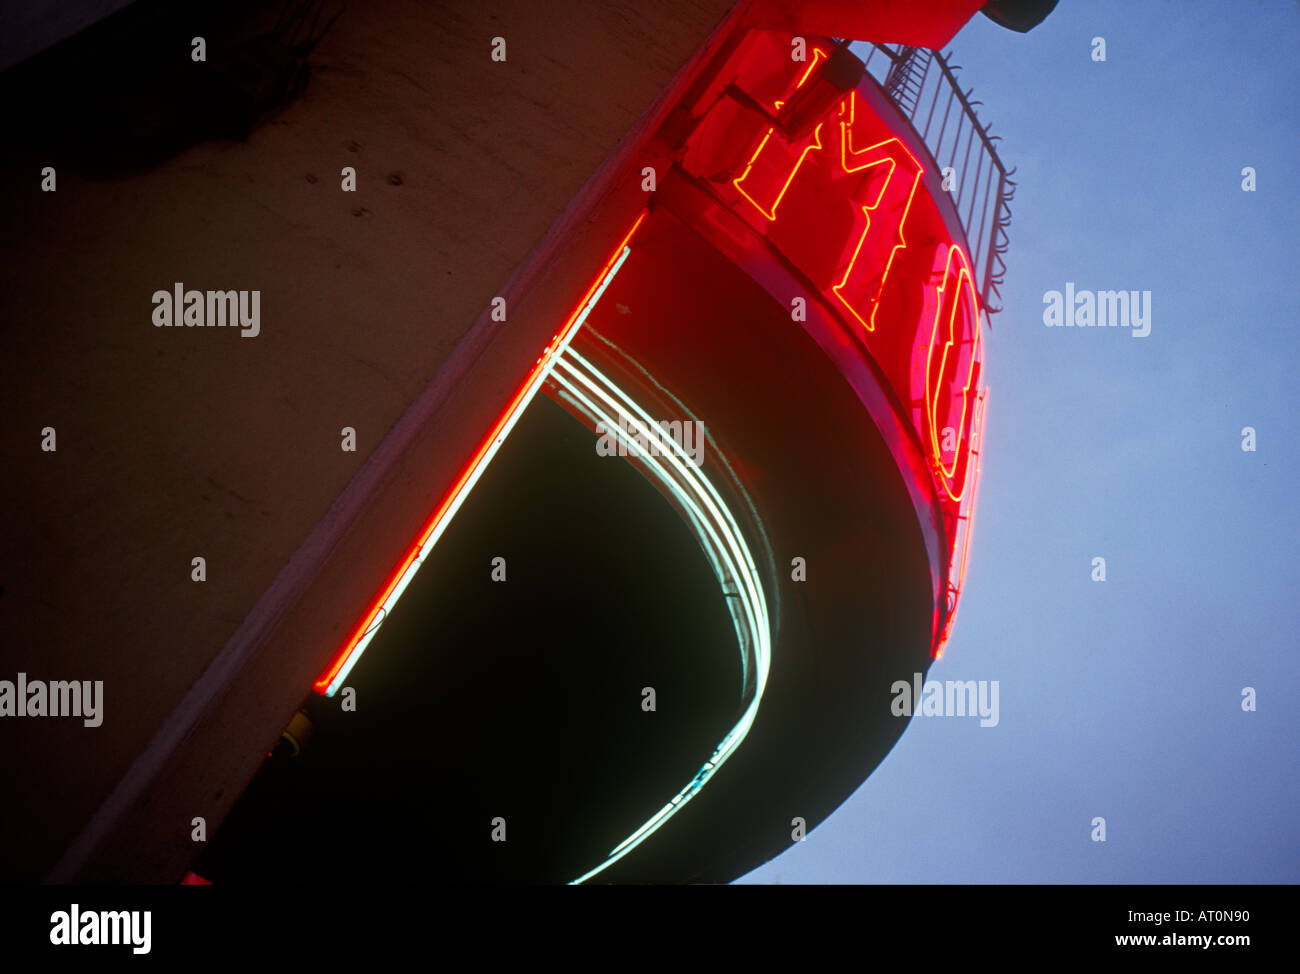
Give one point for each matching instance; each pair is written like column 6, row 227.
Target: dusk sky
column 1121, row 699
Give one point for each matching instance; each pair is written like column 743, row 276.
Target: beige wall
column 174, row 443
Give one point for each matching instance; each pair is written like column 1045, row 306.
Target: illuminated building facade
column 791, row 248
column 807, row 280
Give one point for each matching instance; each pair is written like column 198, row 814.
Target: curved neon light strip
column 977, row 434
column 329, row 682
column 583, row 382
column 932, row 396
column 721, row 537
column 966, row 526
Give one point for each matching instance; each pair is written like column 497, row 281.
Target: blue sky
column 1122, row 698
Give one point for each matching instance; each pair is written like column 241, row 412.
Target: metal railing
column 923, row 85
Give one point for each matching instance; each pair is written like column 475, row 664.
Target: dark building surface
column 175, row 443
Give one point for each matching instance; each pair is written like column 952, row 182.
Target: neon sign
column 927, row 340
column 777, row 158
column 893, row 153
column 955, row 291
column 860, row 272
